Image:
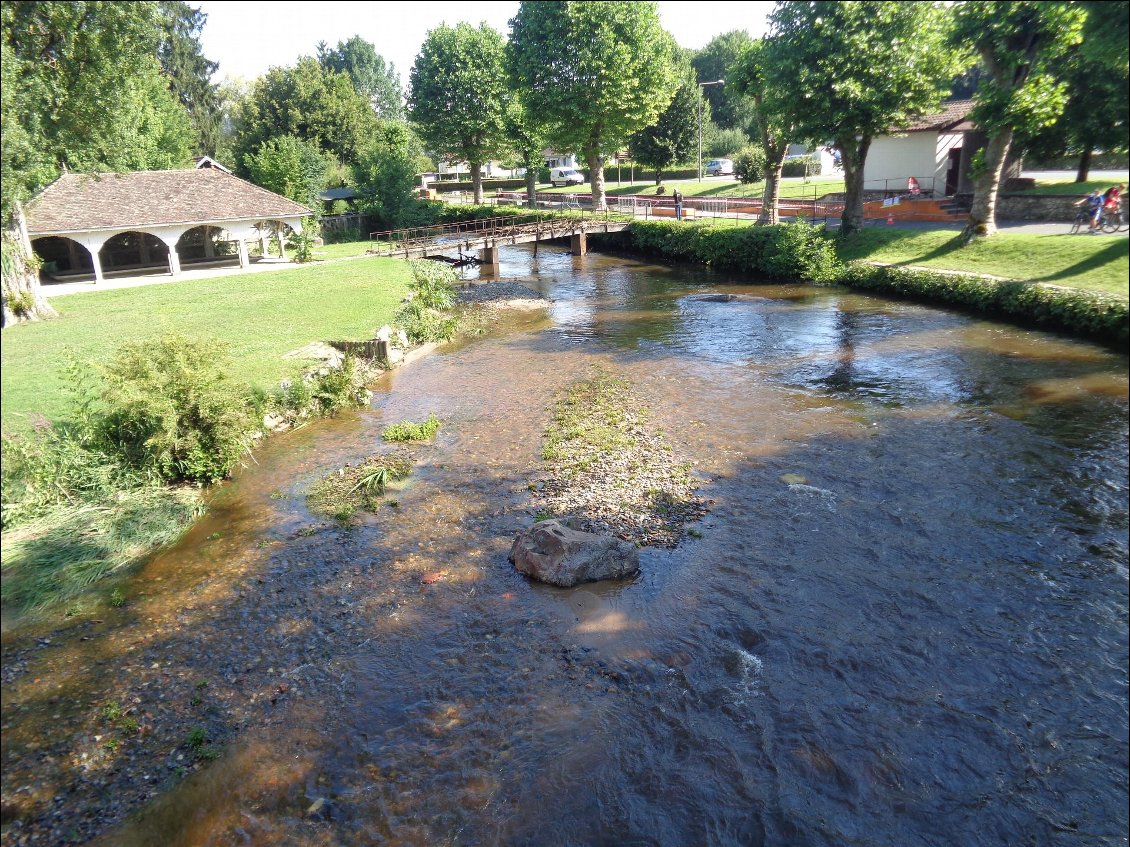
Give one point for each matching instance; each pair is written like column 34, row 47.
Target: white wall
column 894, row 158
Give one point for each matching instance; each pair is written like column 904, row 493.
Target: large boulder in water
column 552, row 551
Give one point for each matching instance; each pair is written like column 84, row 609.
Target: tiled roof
column 83, row 202
column 954, row 116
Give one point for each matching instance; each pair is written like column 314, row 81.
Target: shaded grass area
column 1092, row 263
column 61, row 555
column 790, row 188
column 260, row 317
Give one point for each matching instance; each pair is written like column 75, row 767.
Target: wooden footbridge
column 486, row 236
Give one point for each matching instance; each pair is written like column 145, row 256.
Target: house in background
column 824, row 158
column 937, row 150
column 85, row 225
column 553, row 159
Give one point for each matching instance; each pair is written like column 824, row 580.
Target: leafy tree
column 1097, row 74
column 1019, row 44
column 291, row 167
column 749, row 165
column 527, row 140
column 459, row 94
column 718, row 142
column 847, row 72
column 386, row 172
column 776, row 127
column 308, row 102
column 673, row 138
column 373, row 78
column 714, row 61
column 593, row 72
column 189, row 73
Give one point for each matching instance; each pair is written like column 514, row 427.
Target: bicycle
column 1082, row 219
column 1111, row 220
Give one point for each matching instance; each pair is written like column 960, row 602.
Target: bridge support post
column 489, row 257
column 579, row 243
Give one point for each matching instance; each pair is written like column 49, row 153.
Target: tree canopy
column 291, row 167
column 372, row 78
column 1019, row 44
column 714, row 61
column 673, row 138
column 82, row 88
column 593, row 73
column 846, row 72
column 189, row 73
column 459, row 95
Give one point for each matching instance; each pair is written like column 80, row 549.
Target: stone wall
column 1037, row 207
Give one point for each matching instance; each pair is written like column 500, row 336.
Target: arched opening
column 270, row 234
column 62, row 258
column 207, row 245
column 134, row 251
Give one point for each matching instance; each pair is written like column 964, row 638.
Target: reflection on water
column 906, row 621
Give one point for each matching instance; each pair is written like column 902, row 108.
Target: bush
column 410, row 431
column 424, row 318
column 801, row 167
column 796, row 251
column 1087, row 313
column 169, row 408
column 749, row 165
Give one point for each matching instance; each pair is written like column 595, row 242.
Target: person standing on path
column 677, row 196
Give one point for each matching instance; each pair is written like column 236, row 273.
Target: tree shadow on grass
column 1094, row 262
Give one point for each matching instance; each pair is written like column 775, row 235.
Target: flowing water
column 905, row 622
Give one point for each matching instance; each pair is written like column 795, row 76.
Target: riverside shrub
column 1088, row 313
column 794, row 251
column 169, row 408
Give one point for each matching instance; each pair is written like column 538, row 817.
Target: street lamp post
column 701, row 97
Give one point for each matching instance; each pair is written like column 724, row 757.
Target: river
column 904, row 623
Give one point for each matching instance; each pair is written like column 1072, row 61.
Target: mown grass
column 791, row 188
column 1095, row 263
column 260, row 316
column 1070, row 187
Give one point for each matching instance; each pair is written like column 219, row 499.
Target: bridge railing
column 414, row 239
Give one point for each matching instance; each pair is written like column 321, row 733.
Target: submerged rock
column 551, row 551
column 715, row 298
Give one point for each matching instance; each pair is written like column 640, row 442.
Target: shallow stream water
column 905, row 622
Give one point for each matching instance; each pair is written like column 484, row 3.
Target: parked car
column 566, row 176
column 719, row 167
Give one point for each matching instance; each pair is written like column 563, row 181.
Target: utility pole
column 701, row 97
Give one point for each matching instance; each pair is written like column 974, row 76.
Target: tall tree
column 672, row 139
column 751, row 75
column 728, row 109
column 846, row 72
column 526, row 141
column 189, row 73
column 1097, row 75
column 291, row 167
column 373, row 78
column 459, row 94
column 593, row 72
column 308, row 102
column 1019, row 44
column 386, row 173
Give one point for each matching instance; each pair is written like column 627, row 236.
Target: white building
column 935, row 150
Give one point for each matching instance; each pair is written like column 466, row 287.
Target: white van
column 566, row 176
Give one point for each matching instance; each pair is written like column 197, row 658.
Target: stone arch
column 134, row 250
column 62, row 256
column 206, row 243
column 273, row 235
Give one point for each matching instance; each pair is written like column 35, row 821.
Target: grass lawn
column 1100, row 263
column 260, row 316
column 1069, row 187
column 794, row 187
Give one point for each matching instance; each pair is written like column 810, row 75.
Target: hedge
column 1087, row 313
column 796, row 251
column 805, row 253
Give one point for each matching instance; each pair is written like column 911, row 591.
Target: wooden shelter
column 134, row 222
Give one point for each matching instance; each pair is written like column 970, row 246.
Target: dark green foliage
column 189, row 73
column 800, row 167
column 714, row 61
column 372, row 78
column 386, row 171
column 289, row 166
column 169, row 408
column 672, row 139
column 797, row 251
column 1087, row 313
column 749, row 165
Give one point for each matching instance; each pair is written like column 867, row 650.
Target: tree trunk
column 596, row 175
column 853, row 155
column 658, row 177
column 770, row 201
column 23, row 296
column 1084, row 164
column 983, row 216
column 477, row 181
column 531, row 185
